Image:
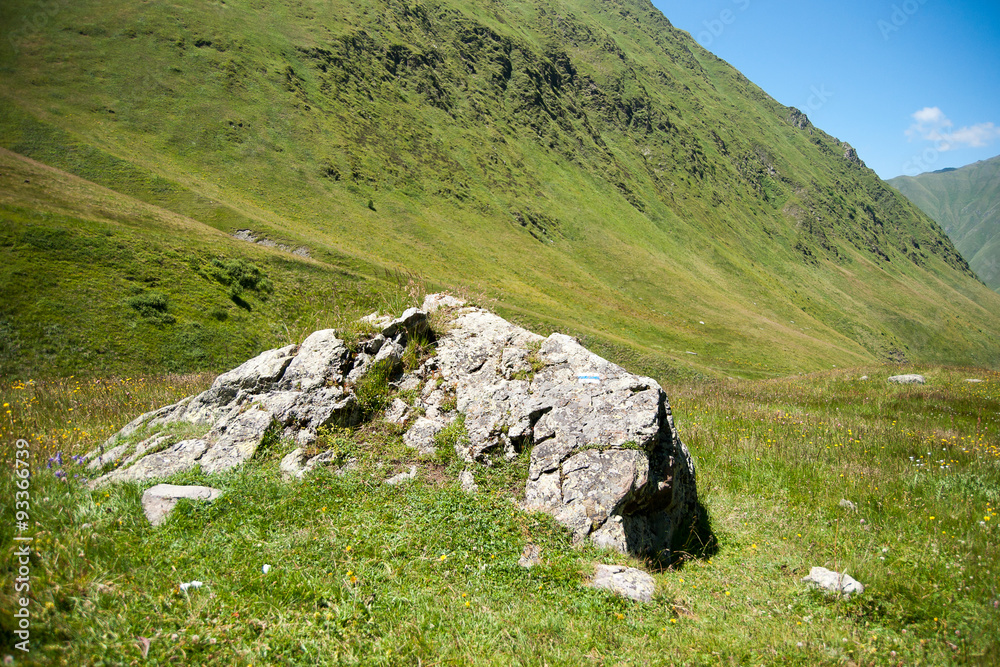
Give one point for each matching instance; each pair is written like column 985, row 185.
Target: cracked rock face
column 290, row 391
column 604, row 457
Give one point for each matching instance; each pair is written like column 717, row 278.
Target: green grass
column 362, row 573
column 96, row 283
column 597, row 174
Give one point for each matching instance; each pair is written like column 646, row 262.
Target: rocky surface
column 604, row 456
column 249, row 236
column 468, row 482
column 158, row 501
column 605, row 459
column 289, row 392
column 626, row 581
column 296, row 465
column 833, row 582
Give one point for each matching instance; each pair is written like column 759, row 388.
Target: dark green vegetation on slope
column 582, row 161
column 364, row 573
column 966, row 203
column 102, row 283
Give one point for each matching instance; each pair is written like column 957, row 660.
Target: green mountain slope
column 582, row 161
column 966, row 203
column 97, row 281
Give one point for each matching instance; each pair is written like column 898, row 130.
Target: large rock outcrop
column 605, row 459
column 289, row 392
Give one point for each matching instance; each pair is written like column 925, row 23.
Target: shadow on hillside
column 695, row 541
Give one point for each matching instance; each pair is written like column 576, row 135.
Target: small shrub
column 152, row 306
column 419, row 348
column 334, row 439
column 447, row 439
column 372, row 390
column 270, row 447
column 240, row 275
column 149, row 304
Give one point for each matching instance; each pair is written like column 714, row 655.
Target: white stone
column 530, row 557
column 625, row 581
column 402, row 477
column 397, row 412
column 834, row 582
column 237, row 445
column 468, row 482
column 316, row 362
column 158, row 501
column 912, row 378
column 433, row 302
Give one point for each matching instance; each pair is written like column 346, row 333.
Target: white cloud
column 930, row 124
column 932, row 115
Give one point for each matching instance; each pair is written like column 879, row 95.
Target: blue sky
column 913, row 85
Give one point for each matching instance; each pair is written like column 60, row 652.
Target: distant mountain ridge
column 966, row 203
column 582, row 161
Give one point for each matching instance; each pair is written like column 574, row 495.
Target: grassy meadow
column 424, row 574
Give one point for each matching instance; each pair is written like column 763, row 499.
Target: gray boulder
column 160, row 500
column 397, row 412
column 237, row 440
column 295, row 465
column 180, row 457
column 605, row 459
column 317, row 363
column 421, row 436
